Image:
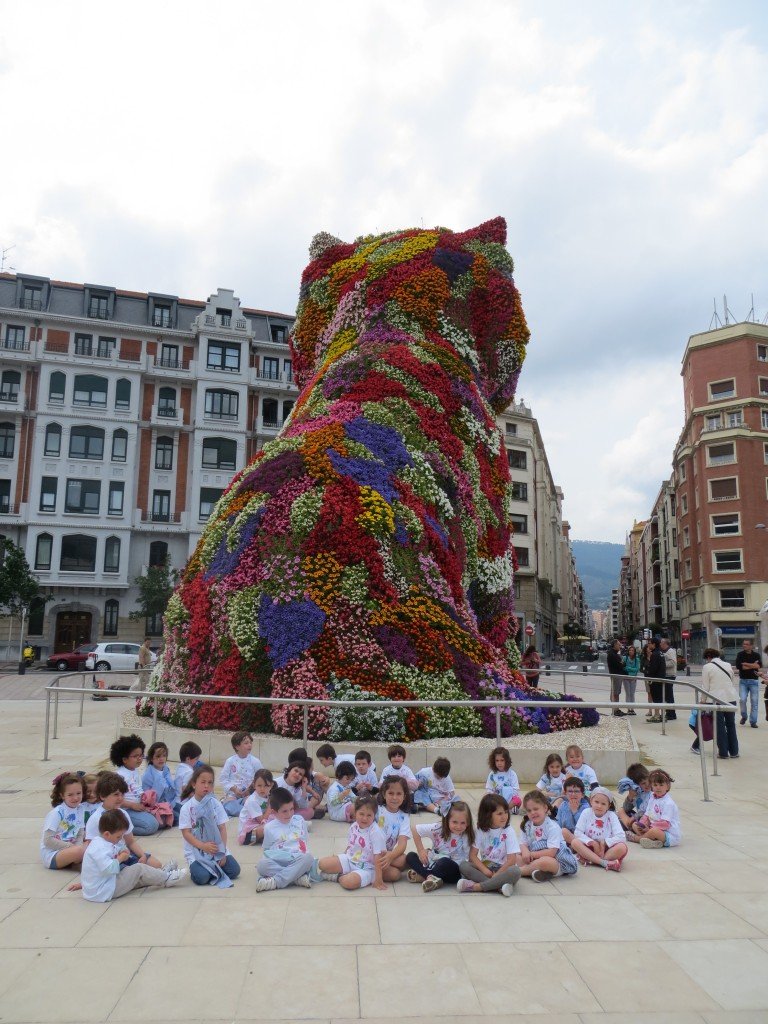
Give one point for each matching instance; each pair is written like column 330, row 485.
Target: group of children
column 569, row 820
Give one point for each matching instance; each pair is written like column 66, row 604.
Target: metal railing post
column 305, row 726
column 82, row 699
column 56, row 716
column 702, row 758
column 498, row 726
column 47, row 723
column 154, row 719
column 714, row 738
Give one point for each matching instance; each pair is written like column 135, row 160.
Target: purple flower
column 270, row 474
column 365, row 474
column 224, row 561
column 384, row 443
column 395, row 645
column 452, row 262
column 289, row 629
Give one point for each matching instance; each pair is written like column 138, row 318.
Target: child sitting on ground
column 340, row 797
column 256, row 811
column 203, row 824
column 189, row 759
column 237, row 774
column 452, row 838
column 502, row 779
column 599, row 837
column 574, row 755
column 286, row 860
column 435, row 787
column 570, row 809
column 90, row 800
column 394, row 821
column 105, row 873
column 365, row 774
column 111, row 789
column 62, row 843
column 328, row 758
column 494, row 857
column 660, row 825
column 294, row 779
column 362, row 862
column 127, row 753
column 637, row 787
column 551, row 781
column 544, row 851
column 157, row 777
column 397, row 766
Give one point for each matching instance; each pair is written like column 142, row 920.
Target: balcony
column 268, row 426
column 163, row 519
column 29, row 303
column 168, row 366
column 13, row 345
column 11, row 399
column 6, row 509
column 166, row 415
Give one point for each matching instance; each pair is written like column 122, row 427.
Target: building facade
column 124, row 416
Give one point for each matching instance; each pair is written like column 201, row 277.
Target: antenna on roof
column 715, row 321
column 729, row 317
column 4, row 259
column 751, row 318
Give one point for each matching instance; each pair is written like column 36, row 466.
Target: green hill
column 598, row 564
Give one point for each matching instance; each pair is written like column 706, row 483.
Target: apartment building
column 721, row 487
column 658, row 567
column 123, row 417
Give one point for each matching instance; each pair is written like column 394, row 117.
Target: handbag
column 706, row 725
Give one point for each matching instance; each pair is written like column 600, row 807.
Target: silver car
column 120, row 657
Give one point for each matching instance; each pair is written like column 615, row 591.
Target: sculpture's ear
column 489, row 231
column 321, row 243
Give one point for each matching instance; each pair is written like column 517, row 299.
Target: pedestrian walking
column 656, row 673
column 616, row 668
column 748, row 665
column 631, row 669
column 530, row 663
column 670, row 668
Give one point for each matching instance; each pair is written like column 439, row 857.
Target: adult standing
column 656, row 673
column 717, row 678
column 670, row 668
column 145, row 663
column 616, row 668
column 748, row 665
column 764, row 676
column 631, row 669
column 531, row 662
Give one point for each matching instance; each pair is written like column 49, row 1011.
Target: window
column 78, row 553
column 153, row 625
column 86, row 443
column 83, row 496
column 112, row 554
column 225, row 315
column 764, row 419
column 83, row 344
column 720, row 389
column 511, row 429
column 169, row 357
column 48, row 493
column 765, row 452
column 90, row 390
column 683, row 504
column 674, row 537
column 724, row 488
column 725, row 524
column 161, row 316
column 36, row 616
column 270, row 369
column 161, row 506
column 713, row 422
column 269, row 412
column 7, row 440
column 158, row 553
column 98, row 307
column 223, row 356
column 221, row 404
column 686, row 537
column 56, row 387
column 166, row 402
column 762, row 353
column 727, row 561
column 719, row 454
column 32, row 297
column 111, row 617
column 52, row 440
column 682, row 471
column 123, row 394
column 14, row 337
column 10, row 382
column 106, row 348
column 762, row 386
column 115, row 503
column 517, row 459
column 277, row 333
column 520, row 523
column 43, row 549
column 523, row 557
column 288, row 369
column 120, row 446
column 208, row 498
column 732, row 598
column 219, row 453
column 735, row 419
column 288, row 405
column 688, row 572
column 519, row 491
column 164, row 453
column 5, row 497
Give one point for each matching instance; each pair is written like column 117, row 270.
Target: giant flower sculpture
column 366, row 553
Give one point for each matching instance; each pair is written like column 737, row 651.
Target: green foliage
column 155, row 590
column 18, row 587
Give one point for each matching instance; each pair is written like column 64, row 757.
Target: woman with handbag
column 717, row 679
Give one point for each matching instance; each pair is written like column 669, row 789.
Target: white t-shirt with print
column 188, row 819
column 182, row 777
column 290, row 838
column 337, row 798
column 133, row 779
column 254, row 808
column 547, row 836
column 494, row 846
column 99, row 870
column 665, row 809
column 393, row 824
column 369, row 778
column 606, row 828
column 364, row 844
column 66, row 823
column 299, row 794
column 456, row 848
column 404, row 773
column 92, row 827
column 551, row 785
column 439, row 789
column 497, row 782
column 238, row 773
column 585, row 773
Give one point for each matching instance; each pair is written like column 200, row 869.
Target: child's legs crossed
column 233, row 806
column 413, row 861
column 503, row 877
column 144, row 823
column 285, row 874
column 446, row 869
column 137, row 876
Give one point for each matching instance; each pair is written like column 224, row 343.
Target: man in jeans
column 748, row 664
column 616, row 668
column 670, row 667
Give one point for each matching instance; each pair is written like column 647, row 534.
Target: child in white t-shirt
column 397, row 766
column 203, row 824
column 574, row 755
column 502, row 779
column 256, row 811
column 361, row 863
column 494, row 857
column 237, row 774
column 105, row 875
column 599, row 838
column 295, row 780
column 62, row 841
column 111, row 789
column 552, row 780
column 660, row 825
column 286, row 859
column 394, row 821
column 365, row 774
column 544, row 850
column 435, row 790
column 127, row 754
column 189, row 759
column 340, row 796
column 452, row 837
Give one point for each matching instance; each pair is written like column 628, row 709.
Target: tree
column 18, row 587
column 155, row 590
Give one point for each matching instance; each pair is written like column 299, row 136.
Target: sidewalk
column 679, row 936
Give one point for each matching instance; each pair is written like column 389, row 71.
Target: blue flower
column 289, row 629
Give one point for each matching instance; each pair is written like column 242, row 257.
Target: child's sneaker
column 174, row 875
column 265, row 884
column 304, row 881
column 539, row 875
column 431, row 882
column 631, row 837
column 171, row 865
column 465, row 885
column 414, row 876
column 507, row 889
column 613, row 865
column 515, row 809
column 651, row 844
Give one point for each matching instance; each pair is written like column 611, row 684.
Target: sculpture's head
column 432, row 284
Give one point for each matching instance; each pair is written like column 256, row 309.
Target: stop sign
column 686, row 634
column 529, row 630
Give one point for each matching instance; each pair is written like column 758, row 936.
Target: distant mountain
column 598, row 564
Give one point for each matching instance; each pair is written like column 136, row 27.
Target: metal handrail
column 496, row 705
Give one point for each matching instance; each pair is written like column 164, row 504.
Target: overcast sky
column 176, row 147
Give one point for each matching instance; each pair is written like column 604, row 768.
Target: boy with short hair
column 436, row 788
column 397, row 766
column 637, row 786
column 341, row 796
column 111, row 789
column 286, row 859
column 574, row 803
column 104, row 874
column 189, row 759
column 365, row 774
column 236, row 777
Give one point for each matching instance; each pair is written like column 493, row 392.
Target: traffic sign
column 686, row 634
column 529, row 630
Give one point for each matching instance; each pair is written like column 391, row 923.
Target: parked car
column 70, row 661
column 122, row 657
